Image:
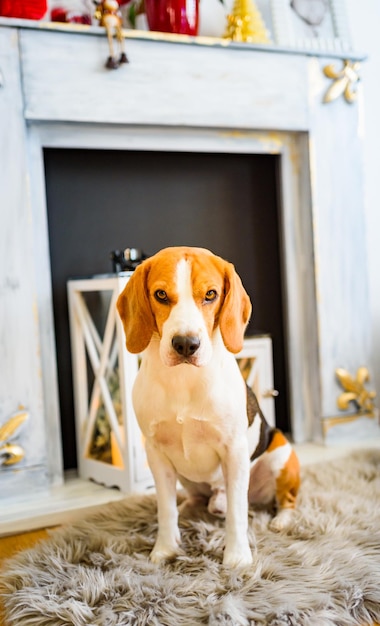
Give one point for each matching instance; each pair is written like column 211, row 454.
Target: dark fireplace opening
column 101, row 200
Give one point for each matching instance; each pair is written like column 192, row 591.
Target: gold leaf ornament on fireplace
column 355, row 390
column 344, row 81
column 11, row 452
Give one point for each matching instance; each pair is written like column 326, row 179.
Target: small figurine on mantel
column 108, row 14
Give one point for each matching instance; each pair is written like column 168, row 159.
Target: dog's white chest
column 191, row 413
column 193, row 447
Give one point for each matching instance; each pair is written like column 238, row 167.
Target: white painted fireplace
column 191, row 96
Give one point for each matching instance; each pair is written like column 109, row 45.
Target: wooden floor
column 9, row 546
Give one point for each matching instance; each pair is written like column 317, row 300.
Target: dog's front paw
column 282, row 520
column 164, row 552
column 237, row 557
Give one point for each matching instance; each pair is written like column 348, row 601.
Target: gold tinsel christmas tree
column 246, row 24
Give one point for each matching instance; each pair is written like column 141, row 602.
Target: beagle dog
column 186, row 310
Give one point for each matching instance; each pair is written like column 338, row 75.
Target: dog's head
column 181, row 296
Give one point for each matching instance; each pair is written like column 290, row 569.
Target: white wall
column 364, row 17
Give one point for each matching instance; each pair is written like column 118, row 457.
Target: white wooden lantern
column 99, row 358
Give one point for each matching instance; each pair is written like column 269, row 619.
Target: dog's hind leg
column 201, row 494
column 287, row 483
column 198, row 495
column 217, row 504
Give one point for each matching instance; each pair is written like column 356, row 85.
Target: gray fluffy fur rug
column 324, row 571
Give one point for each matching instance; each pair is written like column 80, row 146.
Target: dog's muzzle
column 186, row 345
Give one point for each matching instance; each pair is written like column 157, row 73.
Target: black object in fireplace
column 127, row 260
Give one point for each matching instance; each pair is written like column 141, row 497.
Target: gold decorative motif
column 331, row 422
column 344, row 81
column 355, row 391
column 245, row 23
column 12, row 453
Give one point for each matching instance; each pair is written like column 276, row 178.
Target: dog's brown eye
column 210, row 295
column 161, row 295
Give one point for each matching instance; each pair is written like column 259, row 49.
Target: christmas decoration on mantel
column 246, row 24
column 312, row 13
column 24, row 9
column 108, row 14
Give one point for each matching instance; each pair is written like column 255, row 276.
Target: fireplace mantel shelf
column 213, row 42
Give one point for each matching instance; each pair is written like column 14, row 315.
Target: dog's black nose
column 185, row 345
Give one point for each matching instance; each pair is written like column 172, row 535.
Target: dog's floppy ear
column 135, row 311
column 235, row 312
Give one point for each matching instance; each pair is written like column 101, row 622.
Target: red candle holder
column 173, row 16
column 30, row 9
